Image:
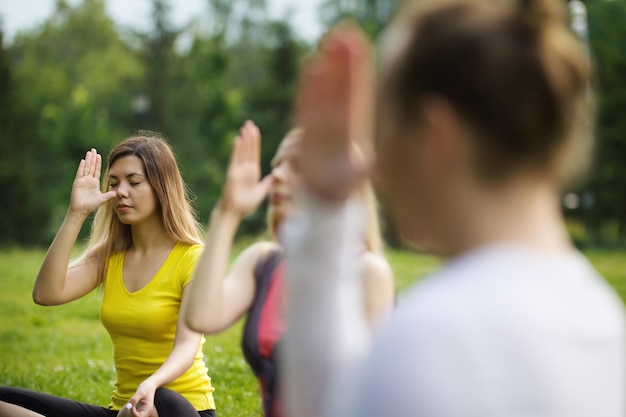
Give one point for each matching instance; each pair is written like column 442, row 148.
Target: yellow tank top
column 142, row 326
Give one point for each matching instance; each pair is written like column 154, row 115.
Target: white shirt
column 503, row 331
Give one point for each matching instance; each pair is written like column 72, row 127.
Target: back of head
column 512, row 70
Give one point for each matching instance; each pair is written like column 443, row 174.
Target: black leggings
column 167, row 402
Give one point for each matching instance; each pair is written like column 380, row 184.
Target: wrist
column 222, row 213
column 150, row 383
column 74, row 215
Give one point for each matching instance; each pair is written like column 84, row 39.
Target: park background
column 79, row 80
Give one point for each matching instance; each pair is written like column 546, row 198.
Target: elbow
column 41, row 299
column 197, row 324
column 193, row 323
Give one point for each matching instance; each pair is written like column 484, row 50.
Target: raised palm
column 86, row 194
column 335, row 107
column 244, row 190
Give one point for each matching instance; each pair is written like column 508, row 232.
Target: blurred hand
column 335, row 107
column 244, row 190
column 86, row 194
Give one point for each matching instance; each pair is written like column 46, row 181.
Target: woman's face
column 136, row 201
column 285, row 177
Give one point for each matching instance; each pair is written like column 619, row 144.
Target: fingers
column 244, row 142
column 251, row 140
column 136, row 406
column 90, row 166
column 90, row 162
column 337, row 89
column 81, row 169
column 265, row 185
column 109, row 195
column 361, row 80
column 142, row 410
column 235, row 155
column 309, row 96
column 98, row 167
column 247, row 146
column 336, row 111
column 256, row 143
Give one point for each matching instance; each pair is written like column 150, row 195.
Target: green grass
column 65, row 350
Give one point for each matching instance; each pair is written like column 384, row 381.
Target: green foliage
column 372, row 15
column 70, row 85
column 601, row 218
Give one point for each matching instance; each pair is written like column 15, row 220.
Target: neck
column 523, row 213
column 150, row 235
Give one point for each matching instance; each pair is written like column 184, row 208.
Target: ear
column 443, row 134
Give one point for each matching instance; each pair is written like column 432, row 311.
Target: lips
column 279, row 198
column 123, row 207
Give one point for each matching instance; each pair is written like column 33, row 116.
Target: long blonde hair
column 372, row 238
column 178, row 216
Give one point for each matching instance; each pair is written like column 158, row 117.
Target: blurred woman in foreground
column 485, row 116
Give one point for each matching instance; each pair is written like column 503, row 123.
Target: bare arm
column 56, row 283
column 216, row 302
column 378, row 287
column 328, row 335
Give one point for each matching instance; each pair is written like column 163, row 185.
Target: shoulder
column 188, row 252
column 113, row 263
column 256, row 252
column 375, row 269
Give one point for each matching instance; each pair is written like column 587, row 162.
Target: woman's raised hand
column 336, row 109
column 244, row 190
column 86, row 194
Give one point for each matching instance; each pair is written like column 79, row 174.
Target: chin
column 124, row 220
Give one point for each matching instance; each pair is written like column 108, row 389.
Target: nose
column 122, row 190
column 278, row 173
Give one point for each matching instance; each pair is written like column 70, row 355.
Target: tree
column 605, row 218
column 69, row 90
column 372, row 15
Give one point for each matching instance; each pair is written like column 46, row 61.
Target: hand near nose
column 244, row 190
column 86, row 194
column 335, row 107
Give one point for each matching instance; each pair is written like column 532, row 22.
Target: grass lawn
column 65, row 350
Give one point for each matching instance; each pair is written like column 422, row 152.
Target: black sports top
column 264, row 328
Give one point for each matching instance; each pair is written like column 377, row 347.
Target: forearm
column 203, row 309
column 180, row 359
column 50, row 280
column 327, row 331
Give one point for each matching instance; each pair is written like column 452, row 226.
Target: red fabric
column 272, row 324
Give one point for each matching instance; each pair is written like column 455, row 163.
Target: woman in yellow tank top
column 143, row 248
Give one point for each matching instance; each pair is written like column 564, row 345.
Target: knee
column 165, row 394
column 170, row 403
column 12, row 410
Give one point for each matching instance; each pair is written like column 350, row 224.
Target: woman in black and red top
column 255, row 282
